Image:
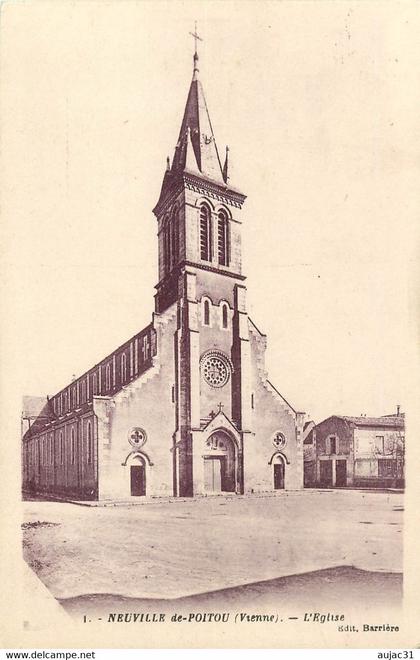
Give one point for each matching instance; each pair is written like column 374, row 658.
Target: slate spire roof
column 196, row 150
column 196, row 135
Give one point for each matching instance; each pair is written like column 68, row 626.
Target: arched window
column 61, row 445
column 108, row 377
column 166, row 246
column 89, row 445
column 205, row 233
column 206, row 312
column 51, row 449
column 222, row 238
column 224, row 315
column 175, row 237
column 72, row 447
column 145, row 348
column 123, row 368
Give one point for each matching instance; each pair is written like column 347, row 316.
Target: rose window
column 215, row 370
column 279, row 441
column 137, row 437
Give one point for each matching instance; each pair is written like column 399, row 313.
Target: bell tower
column 200, row 269
column 198, row 211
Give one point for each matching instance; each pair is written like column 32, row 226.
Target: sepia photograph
column 210, row 262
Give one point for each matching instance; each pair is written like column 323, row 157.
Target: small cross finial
column 195, row 58
column 220, row 406
column 196, row 37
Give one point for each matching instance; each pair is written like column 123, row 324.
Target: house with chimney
column 359, row 452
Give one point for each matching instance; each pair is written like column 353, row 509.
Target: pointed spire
column 190, row 159
column 197, row 120
column 226, row 166
column 196, row 150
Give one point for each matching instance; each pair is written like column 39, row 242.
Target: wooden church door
column 213, row 474
column 138, row 480
column 278, row 476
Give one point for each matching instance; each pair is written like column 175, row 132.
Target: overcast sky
column 318, row 104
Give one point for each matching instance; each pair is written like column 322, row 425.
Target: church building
column 183, row 408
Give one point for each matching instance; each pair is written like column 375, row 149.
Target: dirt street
column 177, row 549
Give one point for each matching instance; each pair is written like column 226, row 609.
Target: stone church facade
column 184, row 407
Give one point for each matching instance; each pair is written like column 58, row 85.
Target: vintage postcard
column 209, row 337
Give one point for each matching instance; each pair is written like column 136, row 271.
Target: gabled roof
column 393, row 422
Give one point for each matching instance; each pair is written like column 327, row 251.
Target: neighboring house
column 356, row 451
column 185, row 406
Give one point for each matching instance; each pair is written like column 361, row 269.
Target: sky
column 318, row 104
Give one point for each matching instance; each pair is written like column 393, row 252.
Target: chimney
column 398, row 411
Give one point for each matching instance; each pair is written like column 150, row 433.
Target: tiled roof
column 396, row 422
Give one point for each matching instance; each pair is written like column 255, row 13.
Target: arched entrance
column 137, row 476
column 220, row 463
column 278, row 471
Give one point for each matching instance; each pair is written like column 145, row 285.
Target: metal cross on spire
column 196, row 37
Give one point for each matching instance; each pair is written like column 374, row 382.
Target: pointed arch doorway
column 137, row 476
column 278, row 472
column 220, row 464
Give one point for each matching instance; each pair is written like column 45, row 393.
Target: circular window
column 137, row 437
column 279, row 440
column 215, row 369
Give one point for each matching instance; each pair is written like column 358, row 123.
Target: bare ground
column 174, row 550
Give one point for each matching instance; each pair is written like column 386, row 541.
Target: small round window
column 279, row 440
column 137, row 437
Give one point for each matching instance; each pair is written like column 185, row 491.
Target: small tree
column 394, row 449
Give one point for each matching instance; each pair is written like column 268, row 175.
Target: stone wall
column 58, row 461
column 270, row 415
column 148, row 404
